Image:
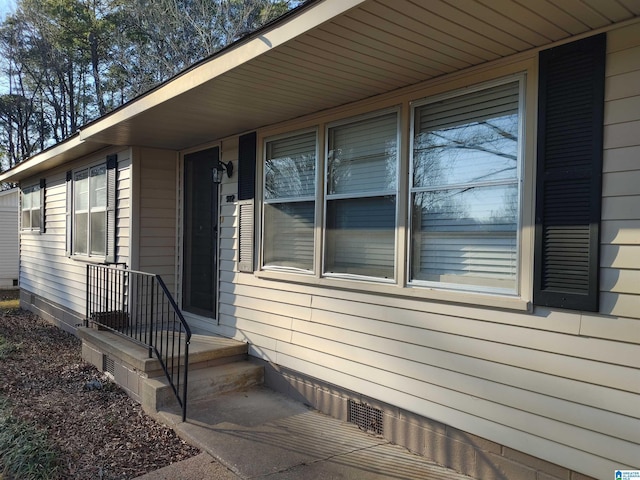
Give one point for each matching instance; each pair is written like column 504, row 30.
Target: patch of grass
column 25, row 452
column 9, row 304
column 9, row 300
column 6, row 349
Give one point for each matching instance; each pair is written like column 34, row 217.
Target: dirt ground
column 100, row 432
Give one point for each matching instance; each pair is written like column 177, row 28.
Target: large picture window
column 362, row 183
column 90, row 211
column 465, row 190
column 289, row 202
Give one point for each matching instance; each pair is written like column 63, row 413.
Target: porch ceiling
column 375, row 47
column 335, row 52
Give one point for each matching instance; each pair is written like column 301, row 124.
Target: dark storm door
column 200, row 233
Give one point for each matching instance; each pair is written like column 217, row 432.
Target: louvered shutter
column 69, row 214
column 246, row 194
column 569, row 175
column 112, row 190
column 43, row 227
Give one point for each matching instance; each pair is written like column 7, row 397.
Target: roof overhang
column 325, row 54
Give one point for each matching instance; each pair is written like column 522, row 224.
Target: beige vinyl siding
column 157, row 221
column 560, row 385
column 123, row 222
column 44, row 267
column 620, row 260
column 492, row 379
column 9, row 204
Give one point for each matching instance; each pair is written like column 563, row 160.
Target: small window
column 465, row 191
column 31, row 208
column 362, row 183
column 289, row 202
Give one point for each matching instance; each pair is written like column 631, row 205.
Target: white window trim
column 325, row 166
column 261, row 194
column 31, row 190
column 406, row 99
column 86, row 256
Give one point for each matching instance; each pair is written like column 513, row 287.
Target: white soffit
column 337, row 52
column 334, row 52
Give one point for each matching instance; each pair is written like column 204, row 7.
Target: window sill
column 85, row 259
column 504, row 302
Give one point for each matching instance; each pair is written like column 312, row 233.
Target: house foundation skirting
column 445, row 445
column 52, row 312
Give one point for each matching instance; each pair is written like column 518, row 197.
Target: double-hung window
column 465, row 197
column 31, row 208
column 361, row 193
column 289, row 202
column 90, row 211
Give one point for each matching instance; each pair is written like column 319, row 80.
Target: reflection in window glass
column 98, row 233
column 465, row 200
column 361, row 197
column 289, row 202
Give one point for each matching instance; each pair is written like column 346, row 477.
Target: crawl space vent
column 365, row 417
column 108, row 365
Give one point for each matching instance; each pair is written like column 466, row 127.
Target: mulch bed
column 100, row 433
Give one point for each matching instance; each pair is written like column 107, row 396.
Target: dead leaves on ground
column 101, row 433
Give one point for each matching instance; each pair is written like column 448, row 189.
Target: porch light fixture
column 219, row 169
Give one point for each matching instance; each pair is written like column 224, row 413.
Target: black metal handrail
column 139, row 306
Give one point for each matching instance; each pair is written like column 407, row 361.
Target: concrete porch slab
column 260, row 433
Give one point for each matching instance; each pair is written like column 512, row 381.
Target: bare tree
column 67, row 62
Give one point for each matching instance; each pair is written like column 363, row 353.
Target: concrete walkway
column 261, row 434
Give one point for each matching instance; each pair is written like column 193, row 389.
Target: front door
column 199, row 288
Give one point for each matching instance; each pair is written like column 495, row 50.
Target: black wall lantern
column 219, row 169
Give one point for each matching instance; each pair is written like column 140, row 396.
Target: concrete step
column 216, row 365
column 204, row 351
column 203, row 383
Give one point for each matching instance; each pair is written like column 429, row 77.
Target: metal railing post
column 152, row 344
column 86, row 317
column 108, row 290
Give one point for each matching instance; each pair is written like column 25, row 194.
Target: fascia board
column 50, row 157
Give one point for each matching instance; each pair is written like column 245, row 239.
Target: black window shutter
column 43, row 227
column 69, row 214
column 112, row 191
column 569, row 174
column 246, row 193
column 247, row 166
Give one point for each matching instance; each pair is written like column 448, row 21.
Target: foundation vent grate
column 365, row 417
column 108, row 365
